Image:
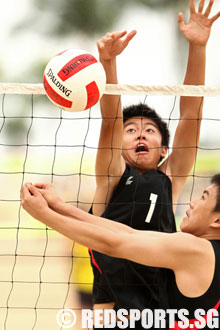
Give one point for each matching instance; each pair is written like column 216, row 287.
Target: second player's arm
column 145, row 247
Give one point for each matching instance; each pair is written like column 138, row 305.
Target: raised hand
column 113, row 44
column 197, row 30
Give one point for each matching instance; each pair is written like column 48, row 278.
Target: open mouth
column 141, row 148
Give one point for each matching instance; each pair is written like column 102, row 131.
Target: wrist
column 197, row 47
column 42, row 214
column 58, row 206
column 110, row 70
column 108, row 62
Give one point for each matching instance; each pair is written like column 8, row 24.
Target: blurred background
column 42, row 272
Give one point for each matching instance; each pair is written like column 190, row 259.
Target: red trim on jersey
column 55, row 96
column 192, row 321
column 92, row 94
column 94, row 262
column 75, row 65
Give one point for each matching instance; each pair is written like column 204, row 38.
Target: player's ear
column 216, row 222
column 163, row 151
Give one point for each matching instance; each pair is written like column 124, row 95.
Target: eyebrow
column 130, row 123
column 145, row 124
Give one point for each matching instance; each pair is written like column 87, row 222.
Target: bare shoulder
column 193, row 250
column 191, row 242
column 187, row 247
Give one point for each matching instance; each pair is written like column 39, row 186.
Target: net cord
column 122, row 89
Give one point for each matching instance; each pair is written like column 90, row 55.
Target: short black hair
column 143, row 110
column 216, row 181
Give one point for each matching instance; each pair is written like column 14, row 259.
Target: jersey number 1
column 153, row 199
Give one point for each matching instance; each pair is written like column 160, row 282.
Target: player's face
column 142, row 143
column 200, row 214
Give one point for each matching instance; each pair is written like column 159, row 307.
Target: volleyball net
column 41, row 271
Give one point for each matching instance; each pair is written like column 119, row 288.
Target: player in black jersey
column 131, row 187
column 193, row 255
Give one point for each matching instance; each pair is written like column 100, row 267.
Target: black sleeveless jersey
column 209, row 300
column 142, row 202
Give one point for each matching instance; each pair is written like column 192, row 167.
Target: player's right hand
column 113, row 44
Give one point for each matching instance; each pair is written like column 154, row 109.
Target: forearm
column 110, row 70
column 110, row 140
column 188, row 130
column 195, row 73
column 139, row 246
column 89, row 232
column 144, row 247
column 84, row 233
column 80, row 215
column 110, row 104
column 191, row 107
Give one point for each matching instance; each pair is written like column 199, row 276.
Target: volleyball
column 74, row 80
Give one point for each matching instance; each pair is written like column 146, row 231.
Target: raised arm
column 109, row 163
column 186, row 139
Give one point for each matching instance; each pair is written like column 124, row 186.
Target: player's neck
column 142, row 170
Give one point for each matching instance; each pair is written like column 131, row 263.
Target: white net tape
column 120, row 89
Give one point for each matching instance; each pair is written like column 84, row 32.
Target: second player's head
column 203, row 216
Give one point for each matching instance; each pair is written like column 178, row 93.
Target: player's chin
column 141, row 158
column 184, row 225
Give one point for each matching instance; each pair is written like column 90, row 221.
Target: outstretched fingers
column 215, row 17
column 110, row 37
column 129, row 37
column 112, row 44
column 201, row 6
column 181, row 21
column 118, row 35
column 209, row 8
column 192, row 6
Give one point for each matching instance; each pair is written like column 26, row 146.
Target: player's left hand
column 33, row 202
column 197, row 30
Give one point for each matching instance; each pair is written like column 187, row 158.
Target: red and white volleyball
column 74, row 80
